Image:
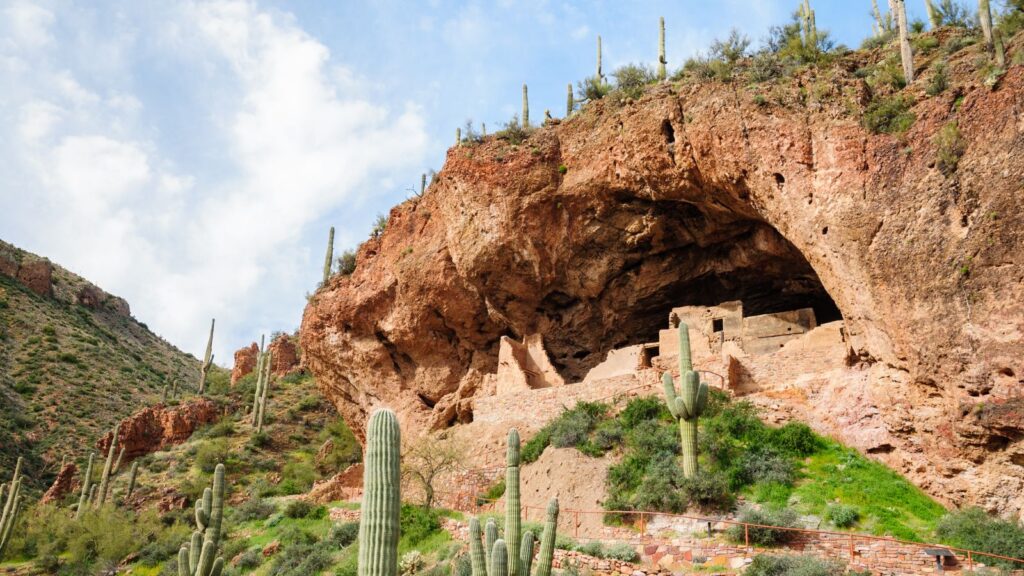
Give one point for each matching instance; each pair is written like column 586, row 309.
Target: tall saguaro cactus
column 662, row 62
column 108, row 467
column 600, row 75
column 262, row 408
column 204, row 368
column 934, row 18
column 493, row 557
column 260, row 359
column 86, row 487
column 513, row 519
column 993, row 42
column 906, row 52
column 12, row 505
column 330, row 255
column 569, row 103
column 688, row 406
column 526, row 108
column 197, row 557
column 132, row 474
column 378, row 528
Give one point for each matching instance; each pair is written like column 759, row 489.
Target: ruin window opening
column 718, row 325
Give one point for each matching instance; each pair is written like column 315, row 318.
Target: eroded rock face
column 245, row 362
column 65, row 483
column 156, row 427
column 284, row 355
column 591, row 230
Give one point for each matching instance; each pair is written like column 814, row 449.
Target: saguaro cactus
column 526, row 109
column 204, row 368
column 330, row 255
column 86, row 483
column 569, row 103
column 477, row 559
column 197, row 557
column 260, row 359
column 107, row 469
column 378, row 528
column 513, row 520
column 547, row 540
column 12, row 505
column 934, row 18
column 131, row 479
column 500, row 559
column 526, row 553
column 262, row 408
column 458, row 136
column 662, row 62
column 490, row 537
column 906, row 52
column 600, row 75
column 992, row 40
column 689, row 405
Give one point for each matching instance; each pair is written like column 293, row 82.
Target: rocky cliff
column 591, row 229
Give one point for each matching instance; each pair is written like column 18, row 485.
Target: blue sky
column 190, row 156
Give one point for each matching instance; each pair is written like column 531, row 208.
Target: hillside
column 72, row 362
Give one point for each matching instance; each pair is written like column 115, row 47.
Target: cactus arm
column 547, row 541
column 499, row 558
column 702, row 399
column 218, row 567
column 689, row 393
column 476, row 549
column 183, row 566
column 131, row 479
column 194, row 552
column 513, row 519
column 490, row 537
column 670, row 395
column 216, row 511
column 685, row 359
column 526, row 554
column 378, row 529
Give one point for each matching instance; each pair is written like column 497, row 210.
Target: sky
column 191, row 156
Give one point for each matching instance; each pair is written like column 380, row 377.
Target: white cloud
column 28, row 24
column 290, row 134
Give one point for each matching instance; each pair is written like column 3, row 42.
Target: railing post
column 970, row 561
column 576, row 525
column 852, row 550
column 746, row 535
column 643, row 527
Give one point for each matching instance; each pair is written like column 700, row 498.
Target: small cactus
column 500, row 559
column 490, row 537
column 526, row 554
column 689, row 405
column 204, row 368
column 477, row 558
column 378, row 529
column 458, row 136
column 329, row 259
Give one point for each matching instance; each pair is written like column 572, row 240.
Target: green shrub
column 889, row 116
column 662, row 487
column 939, row 82
column 709, row 491
column 417, row 523
column 254, row 508
column 304, row 509
column 631, row 79
column 608, row 434
column 221, row 429
column 591, row 89
column 949, row 147
column 794, row 439
column 497, row 490
column 592, row 548
column 776, row 517
column 302, row 560
column 513, row 132
column 793, row 565
column 347, row 262
column 644, row 408
column 297, row 477
column 841, row 516
column 762, row 464
column 210, row 453
column 345, row 451
column 764, row 66
column 532, row 450
column 343, row 534
column 973, row 529
column 249, row 559
column 622, row 551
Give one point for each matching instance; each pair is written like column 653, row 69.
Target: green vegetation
column 768, row 516
column 949, row 147
column 973, row 529
column 890, row 115
column 793, row 565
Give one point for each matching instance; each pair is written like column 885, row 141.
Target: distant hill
column 72, row 362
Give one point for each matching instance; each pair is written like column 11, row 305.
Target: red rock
column 156, row 427
column 37, row 276
column 272, row 548
column 65, row 483
column 245, row 362
column 345, row 485
column 284, row 358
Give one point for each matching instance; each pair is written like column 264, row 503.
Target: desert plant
column 841, row 516
column 261, row 409
column 662, row 62
column 889, row 115
column 343, row 534
column 950, row 146
column 631, row 79
column 512, row 132
column 379, row 526
column 347, row 262
column 939, row 81
column 771, row 529
column 328, row 260
column 107, row 467
column 622, row 551
column 599, row 77
column 793, row 565
column 204, row 368
column 12, row 506
column 197, row 558
column 86, row 487
column 526, row 109
column 689, row 405
column 974, row 529
column 427, row 459
column 906, row 53
column 132, row 474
